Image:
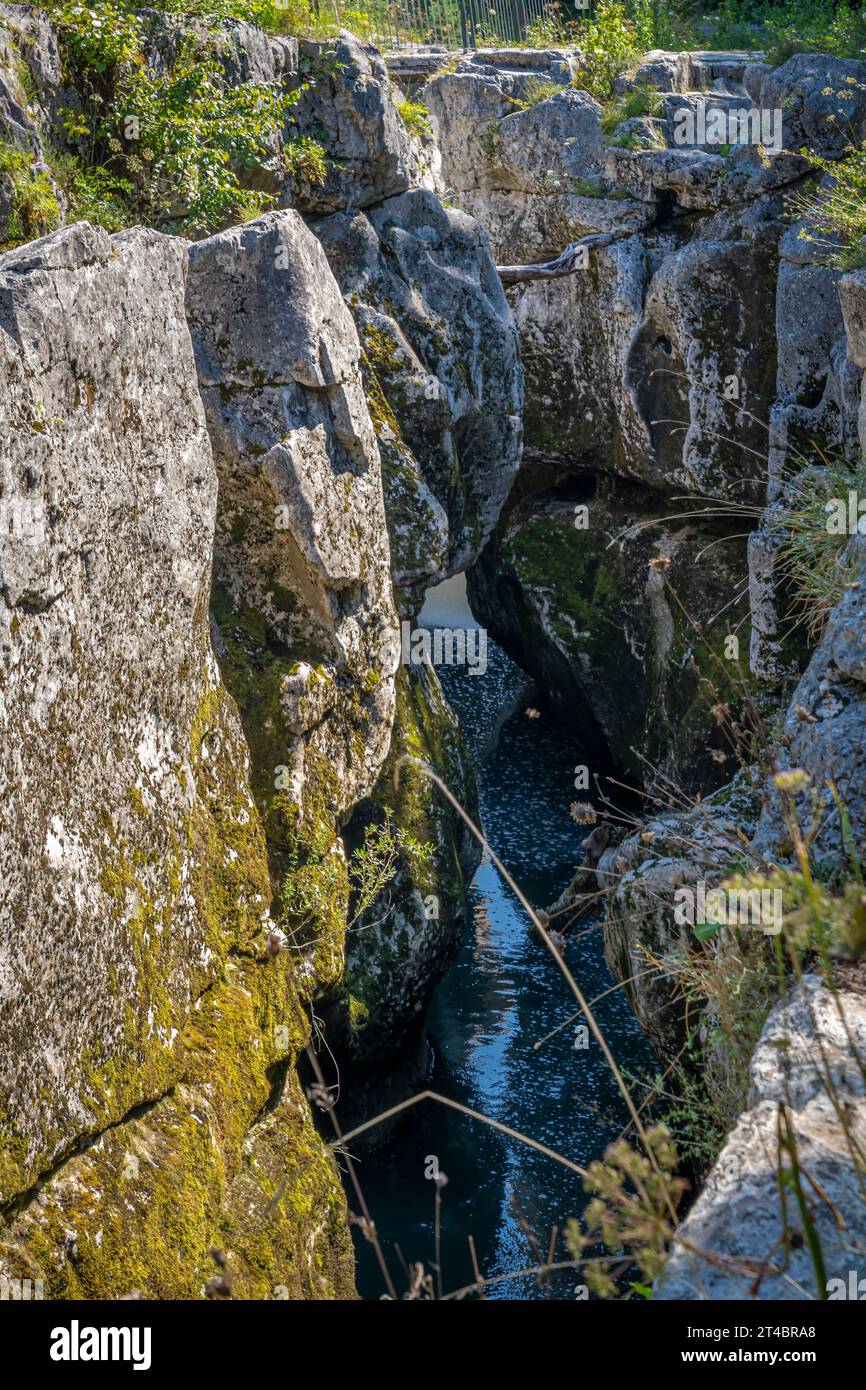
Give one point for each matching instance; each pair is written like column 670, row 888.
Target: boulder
column 443, row 374
column 350, row 107
column 89, row 632
column 146, row 1025
column 601, row 598
column 302, row 592
column 732, row 1242
column 821, row 98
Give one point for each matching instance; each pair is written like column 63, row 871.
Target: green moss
column 307, row 869
column 380, row 349
column 550, row 556
column 142, row 1207
column 14, row 1148
column 376, row 970
column 359, row 1014
column 383, row 418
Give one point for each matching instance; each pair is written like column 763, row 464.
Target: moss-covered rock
column 402, row 944
column 624, row 617
column 302, row 601
column 151, row 1033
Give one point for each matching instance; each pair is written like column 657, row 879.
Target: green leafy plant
column 194, row 135
column 414, row 115
column 488, row 140
column 93, row 194
column 183, row 149
column 374, row 863
column 589, row 188
column 835, row 214
column 102, row 37
column 35, row 209
column 315, row 871
column 551, row 29
column 784, row 27
column 632, row 1211
column 610, row 41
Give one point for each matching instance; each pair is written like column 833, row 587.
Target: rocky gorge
column 233, row 465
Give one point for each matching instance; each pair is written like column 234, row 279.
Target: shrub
column 34, row 206
column 175, row 147
column 552, row 30
column 642, row 101
column 836, row 212
column 610, row 42
column 792, row 26
column 193, row 134
column 93, row 194
column 633, row 1211
column 102, row 37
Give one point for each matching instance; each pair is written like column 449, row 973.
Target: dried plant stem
column 464, row 1110
column 370, row 1228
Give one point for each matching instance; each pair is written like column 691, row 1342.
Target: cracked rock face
column 405, row 941
column 29, row 56
column 441, row 349
column 823, row 735
column 145, row 1020
column 707, row 323
column 301, row 555
column 106, row 677
column 142, row 461
column 737, row 1219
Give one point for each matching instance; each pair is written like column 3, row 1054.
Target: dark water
column 502, row 995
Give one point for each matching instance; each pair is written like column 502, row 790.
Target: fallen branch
column 574, row 257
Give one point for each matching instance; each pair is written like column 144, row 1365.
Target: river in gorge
column 502, row 995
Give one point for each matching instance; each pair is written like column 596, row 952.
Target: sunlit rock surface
column 443, row 373
column 731, row 1244
column 144, row 1018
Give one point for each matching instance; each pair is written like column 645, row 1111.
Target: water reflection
column 503, row 995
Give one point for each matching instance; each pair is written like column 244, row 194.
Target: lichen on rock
column 136, row 887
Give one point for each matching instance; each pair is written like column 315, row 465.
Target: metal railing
column 395, row 25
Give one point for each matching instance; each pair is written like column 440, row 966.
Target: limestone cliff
column 653, row 375
column 145, row 1019
column 199, row 653
column 679, row 387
